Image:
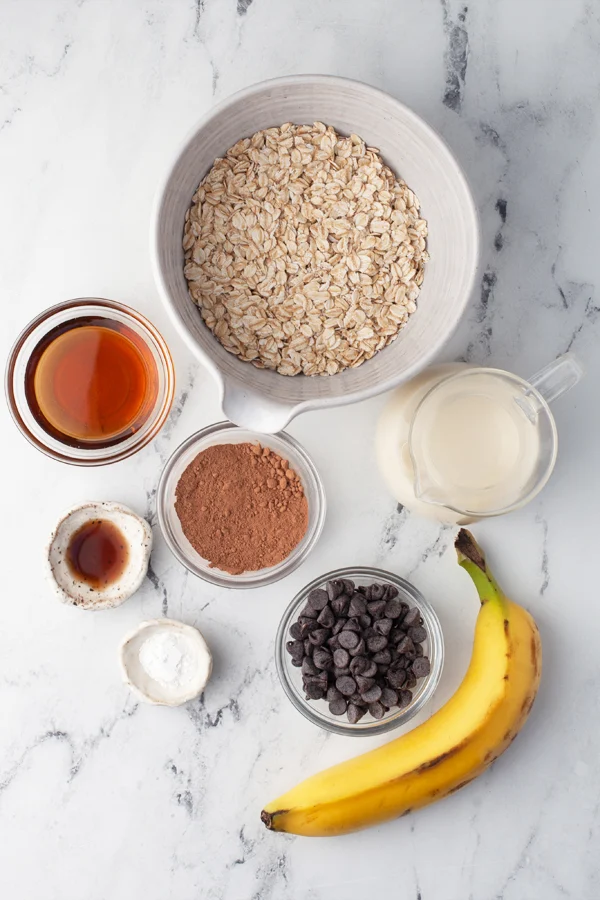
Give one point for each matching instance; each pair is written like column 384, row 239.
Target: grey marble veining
column 103, row 797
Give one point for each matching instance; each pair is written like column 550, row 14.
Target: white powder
column 168, row 659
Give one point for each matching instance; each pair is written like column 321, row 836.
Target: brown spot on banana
column 527, row 704
column 506, row 629
column 462, row 784
column 431, row 763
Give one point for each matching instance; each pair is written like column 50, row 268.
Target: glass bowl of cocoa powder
column 238, row 508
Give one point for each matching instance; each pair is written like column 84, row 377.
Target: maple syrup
column 91, row 381
column 97, row 553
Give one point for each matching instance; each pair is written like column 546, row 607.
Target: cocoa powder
column 241, row 507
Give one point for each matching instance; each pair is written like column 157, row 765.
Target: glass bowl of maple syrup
column 90, row 382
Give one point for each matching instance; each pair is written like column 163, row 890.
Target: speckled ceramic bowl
column 67, row 587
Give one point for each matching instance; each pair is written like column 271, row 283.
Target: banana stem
column 472, row 559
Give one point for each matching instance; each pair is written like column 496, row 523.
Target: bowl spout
column 249, row 409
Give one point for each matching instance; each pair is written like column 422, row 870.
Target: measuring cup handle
column 557, row 378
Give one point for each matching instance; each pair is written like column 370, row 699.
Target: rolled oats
column 303, row 251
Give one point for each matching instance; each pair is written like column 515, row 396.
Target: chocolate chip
column 318, row 599
column 319, row 636
column 355, row 713
column 308, row 647
column 405, row 699
column 377, row 591
column 392, row 591
column 326, row 617
column 396, row 634
column 308, row 666
column 419, row 650
column 363, row 684
column 340, row 605
column 349, row 587
column 314, row 691
column 376, row 709
column 421, row 667
column 410, row 679
column 332, row 693
column 333, row 643
column 376, row 608
column 417, row 633
column 383, row 657
column 346, row 685
column 393, row 608
column 406, row 647
column 411, row 618
column 338, row 707
column 352, row 625
column 372, row 695
column 308, row 625
column 365, row 621
column 295, row 649
column 296, row 631
column 296, row 662
column 341, row 657
column 338, row 626
column 358, row 665
column 383, row 626
column 396, row 677
column 340, row 670
column 376, row 643
column 388, row 698
column 371, row 669
column 309, row 612
column 358, row 606
column 360, row 648
column 348, row 639
column 334, row 589
column 322, row 658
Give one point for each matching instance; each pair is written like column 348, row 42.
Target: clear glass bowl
column 27, row 342
column 226, row 433
column 318, row 711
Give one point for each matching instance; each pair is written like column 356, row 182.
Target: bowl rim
column 402, row 716
column 251, row 580
column 370, row 91
column 79, row 305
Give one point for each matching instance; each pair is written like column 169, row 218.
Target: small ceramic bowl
column 142, row 684
column 318, row 711
column 226, row 433
column 67, row 587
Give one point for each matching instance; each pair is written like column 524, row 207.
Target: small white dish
column 67, row 587
column 156, row 692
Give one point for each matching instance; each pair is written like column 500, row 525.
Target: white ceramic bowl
column 264, row 400
column 143, row 684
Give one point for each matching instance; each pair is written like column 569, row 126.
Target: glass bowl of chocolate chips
column 359, row 651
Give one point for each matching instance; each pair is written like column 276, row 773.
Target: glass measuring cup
column 483, row 442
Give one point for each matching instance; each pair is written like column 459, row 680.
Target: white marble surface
column 103, row 797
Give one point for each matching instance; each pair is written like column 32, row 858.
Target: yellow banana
column 449, row 750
